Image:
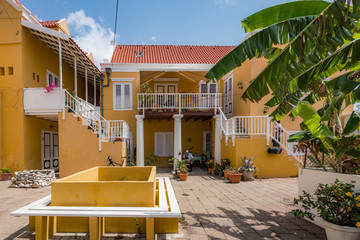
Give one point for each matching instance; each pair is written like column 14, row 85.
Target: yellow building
column 161, row 91
column 35, row 131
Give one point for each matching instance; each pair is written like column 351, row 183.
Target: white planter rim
column 341, row 228
column 330, row 172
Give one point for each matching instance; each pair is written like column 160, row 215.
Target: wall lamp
column 266, row 109
column 240, row 85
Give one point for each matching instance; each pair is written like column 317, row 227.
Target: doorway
column 49, row 150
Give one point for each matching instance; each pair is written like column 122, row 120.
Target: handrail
column 259, row 125
column 106, row 129
column 178, row 101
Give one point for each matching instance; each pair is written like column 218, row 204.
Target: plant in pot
column 248, row 168
column 225, row 164
column 218, row 170
column 5, row 174
column 183, row 169
column 226, row 170
column 210, row 165
column 337, row 205
column 234, row 176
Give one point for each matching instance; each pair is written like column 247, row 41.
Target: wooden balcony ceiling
column 188, row 115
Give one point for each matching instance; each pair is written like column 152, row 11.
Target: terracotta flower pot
column 234, row 177
column 209, row 169
column 226, row 176
column 178, row 173
column 183, row 177
column 5, row 176
column 212, row 171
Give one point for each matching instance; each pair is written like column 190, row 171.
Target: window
column 228, row 95
column 164, row 145
column 52, row 78
column 122, row 99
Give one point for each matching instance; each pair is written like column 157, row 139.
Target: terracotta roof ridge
column 175, row 45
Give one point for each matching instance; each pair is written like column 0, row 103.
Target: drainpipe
column 107, row 71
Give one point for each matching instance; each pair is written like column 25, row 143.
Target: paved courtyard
column 212, row 209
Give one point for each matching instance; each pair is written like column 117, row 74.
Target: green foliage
column 210, row 163
column 151, row 159
column 5, row 170
column 225, row 162
column 137, row 222
column 336, row 203
column 182, row 166
column 248, row 165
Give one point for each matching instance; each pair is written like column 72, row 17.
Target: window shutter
column 127, row 96
column 118, row 96
column 169, row 146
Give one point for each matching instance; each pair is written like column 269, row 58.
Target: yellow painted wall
column 268, row 165
column 79, row 147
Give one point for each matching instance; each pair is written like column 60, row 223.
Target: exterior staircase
column 106, row 130
column 246, row 126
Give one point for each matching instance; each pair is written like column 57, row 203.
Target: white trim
column 122, row 96
column 208, row 86
column 156, row 150
column 166, row 79
column 226, row 96
column 42, row 29
column 43, row 207
column 122, row 79
column 227, row 75
column 137, row 67
column 204, row 141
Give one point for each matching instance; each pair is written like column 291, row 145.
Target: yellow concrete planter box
column 107, row 187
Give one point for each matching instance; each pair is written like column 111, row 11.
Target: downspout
column 1, row 152
column 107, row 71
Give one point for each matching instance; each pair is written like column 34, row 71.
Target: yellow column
column 41, row 228
column 150, row 235
column 95, row 229
column 52, row 226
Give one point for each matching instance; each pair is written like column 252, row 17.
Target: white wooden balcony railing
column 179, row 101
column 260, row 125
column 37, row 101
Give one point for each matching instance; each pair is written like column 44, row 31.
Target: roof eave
column 137, row 67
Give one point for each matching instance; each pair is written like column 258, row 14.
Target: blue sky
column 198, row 22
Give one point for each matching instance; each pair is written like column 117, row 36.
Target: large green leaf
column 323, row 36
column 282, row 12
column 352, row 124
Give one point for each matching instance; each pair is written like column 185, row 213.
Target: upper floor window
column 228, row 95
column 122, row 96
column 52, row 78
column 208, row 87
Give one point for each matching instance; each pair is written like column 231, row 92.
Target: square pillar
column 95, row 228
column 140, row 140
column 150, row 234
column 177, row 136
column 41, row 228
column 217, row 139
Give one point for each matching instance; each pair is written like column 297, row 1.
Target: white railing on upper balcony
column 179, row 101
column 260, row 125
column 106, row 129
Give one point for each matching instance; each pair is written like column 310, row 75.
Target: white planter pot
column 247, row 175
column 337, row 232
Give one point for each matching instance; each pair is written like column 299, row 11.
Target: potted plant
column 247, row 169
column 210, row 165
column 183, row 169
column 226, row 170
column 5, row 174
column 218, row 170
column 234, row 176
column 337, row 205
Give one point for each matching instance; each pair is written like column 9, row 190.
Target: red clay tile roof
column 50, row 24
column 181, row 54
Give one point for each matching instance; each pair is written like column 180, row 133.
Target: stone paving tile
column 212, row 208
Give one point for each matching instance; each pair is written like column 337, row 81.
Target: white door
column 228, row 96
column 207, row 143
column 49, row 150
column 169, row 90
column 205, row 100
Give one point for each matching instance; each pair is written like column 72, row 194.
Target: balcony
column 157, row 105
column 38, row 102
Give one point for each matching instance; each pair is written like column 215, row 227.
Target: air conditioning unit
column 274, row 150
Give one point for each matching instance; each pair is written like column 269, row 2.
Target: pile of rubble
column 33, row 178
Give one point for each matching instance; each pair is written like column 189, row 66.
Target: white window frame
column 163, row 152
column 114, row 95
column 48, row 72
column 226, row 96
column 204, row 141
column 208, row 86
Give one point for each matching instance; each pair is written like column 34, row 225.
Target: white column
column 177, row 136
column 217, row 140
column 60, row 65
column 75, row 76
column 86, row 85
column 140, row 140
column 94, row 90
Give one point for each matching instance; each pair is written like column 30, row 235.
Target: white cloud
column 154, row 39
column 91, row 36
column 222, row 3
